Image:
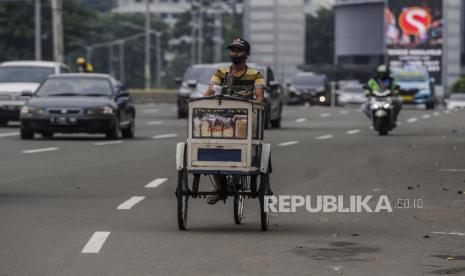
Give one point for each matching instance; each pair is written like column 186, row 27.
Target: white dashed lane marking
column 447, row 112
column 344, row 112
column 435, row 114
column 353, row 131
column 8, row 134
column 164, row 136
column 449, row 233
column 150, row 111
column 425, row 116
column 325, row 115
column 157, row 182
column 40, row 150
column 324, row 137
column 289, row 143
column 94, row 245
column 453, row 170
column 412, row 120
column 108, row 143
column 155, row 123
column 301, row 120
column 128, row 204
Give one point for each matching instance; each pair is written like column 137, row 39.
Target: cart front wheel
column 182, row 195
column 263, row 192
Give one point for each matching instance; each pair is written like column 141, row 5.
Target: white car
column 351, row 94
column 18, row 80
column 456, row 101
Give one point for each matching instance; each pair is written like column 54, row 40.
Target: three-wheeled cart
column 225, row 140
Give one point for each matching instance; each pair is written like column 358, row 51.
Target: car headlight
column 108, row 110
column 386, row 105
column 32, row 110
column 322, row 99
column 375, row 106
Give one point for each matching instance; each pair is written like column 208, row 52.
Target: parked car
column 351, row 93
column 79, row 103
column 456, row 101
column 307, row 87
column 416, row 86
column 18, row 78
column 190, row 86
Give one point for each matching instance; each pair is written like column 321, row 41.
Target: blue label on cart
column 219, row 155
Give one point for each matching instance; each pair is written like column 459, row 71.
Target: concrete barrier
column 153, row 95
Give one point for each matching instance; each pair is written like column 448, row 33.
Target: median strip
column 157, row 182
column 94, row 245
column 128, row 204
column 40, row 150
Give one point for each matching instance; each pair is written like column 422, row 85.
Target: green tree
column 459, row 85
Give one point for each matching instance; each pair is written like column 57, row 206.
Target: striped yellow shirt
column 242, row 86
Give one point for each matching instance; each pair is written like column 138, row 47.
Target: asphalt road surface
column 80, row 205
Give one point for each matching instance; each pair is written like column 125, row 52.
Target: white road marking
column 96, row 242
column 449, row 233
column 301, row 120
column 436, row 113
column 289, row 143
column 353, row 131
column 412, row 120
column 371, row 127
column 399, row 123
column 425, row 116
column 344, row 112
column 155, row 123
column 150, row 111
column 324, row 137
column 40, row 150
column 128, row 204
column 157, row 182
column 163, row 136
column 8, row 134
column 108, row 143
column 325, row 115
column 453, row 170
column 447, row 112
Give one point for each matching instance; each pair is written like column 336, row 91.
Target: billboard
column 413, row 34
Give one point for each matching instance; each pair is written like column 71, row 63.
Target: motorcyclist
column 84, row 66
column 382, row 82
column 236, row 80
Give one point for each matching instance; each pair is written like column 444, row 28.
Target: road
column 79, row 205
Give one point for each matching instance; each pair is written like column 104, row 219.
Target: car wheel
column 26, row 134
column 430, row 105
column 277, row 122
column 47, row 135
column 182, row 114
column 131, row 130
column 114, row 133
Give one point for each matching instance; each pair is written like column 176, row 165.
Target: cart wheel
column 238, row 208
column 264, row 191
column 182, row 194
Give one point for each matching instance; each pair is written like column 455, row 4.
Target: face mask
column 239, row 59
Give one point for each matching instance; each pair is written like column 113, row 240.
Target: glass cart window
column 219, row 123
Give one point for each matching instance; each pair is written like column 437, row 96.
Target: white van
column 18, row 79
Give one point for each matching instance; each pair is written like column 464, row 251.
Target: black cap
column 241, row 44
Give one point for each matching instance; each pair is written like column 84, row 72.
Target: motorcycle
column 382, row 111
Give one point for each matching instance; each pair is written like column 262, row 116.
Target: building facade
column 276, row 31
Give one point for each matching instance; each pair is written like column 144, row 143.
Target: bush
column 459, row 85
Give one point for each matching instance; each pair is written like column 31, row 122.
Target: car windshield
column 75, row 87
column 206, row 75
column 353, row 89
column 24, row 74
column 410, row 77
column 193, row 73
column 308, row 80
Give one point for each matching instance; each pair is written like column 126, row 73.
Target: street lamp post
column 148, row 78
column 38, row 30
